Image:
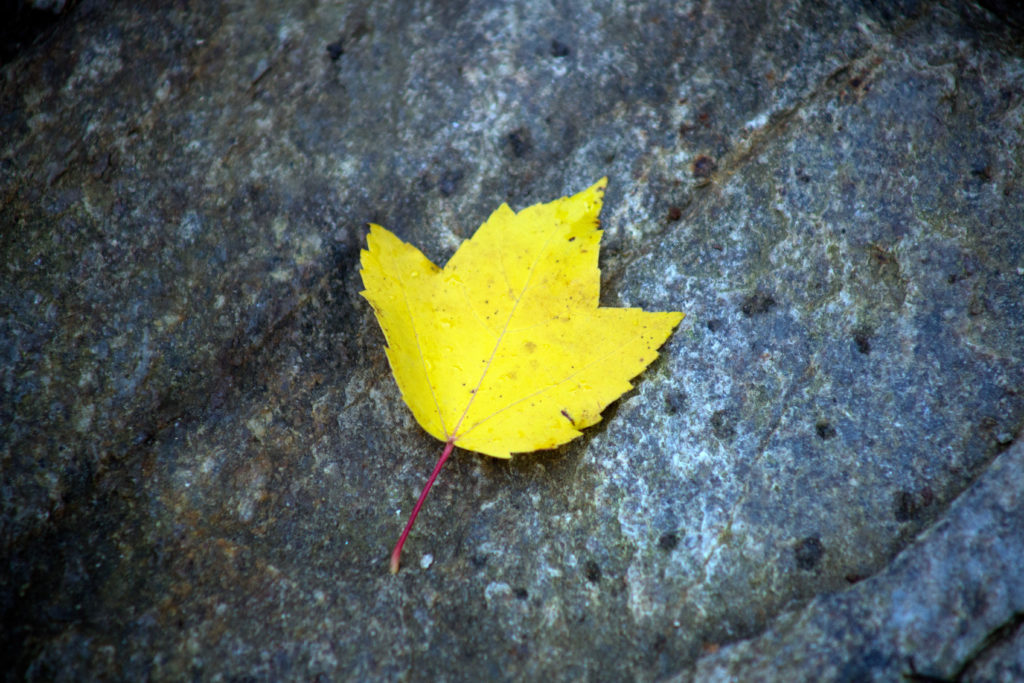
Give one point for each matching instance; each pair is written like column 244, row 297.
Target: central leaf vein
column 504, row 330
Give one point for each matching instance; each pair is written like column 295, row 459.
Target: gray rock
column 204, row 458
column 54, row 6
column 949, row 607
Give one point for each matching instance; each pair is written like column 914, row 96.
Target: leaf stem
column 396, row 553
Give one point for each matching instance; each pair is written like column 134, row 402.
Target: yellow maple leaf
column 506, row 349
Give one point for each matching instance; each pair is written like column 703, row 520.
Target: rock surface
column 205, row 460
column 936, row 611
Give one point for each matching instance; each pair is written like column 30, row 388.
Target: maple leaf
column 506, row 349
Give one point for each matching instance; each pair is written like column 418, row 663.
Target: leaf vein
column 419, row 351
column 555, row 385
column 504, row 331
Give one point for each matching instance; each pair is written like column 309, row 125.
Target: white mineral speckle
column 497, row 589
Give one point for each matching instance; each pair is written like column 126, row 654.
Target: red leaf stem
column 396, row 553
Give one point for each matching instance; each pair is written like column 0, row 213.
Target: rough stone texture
column 22, row 23
column 931, row 612
column 205, row 460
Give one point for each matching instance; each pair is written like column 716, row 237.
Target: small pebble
column 426, row 561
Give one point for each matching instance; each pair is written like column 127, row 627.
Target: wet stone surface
column 205, row 460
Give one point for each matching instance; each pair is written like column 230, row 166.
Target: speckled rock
column 949, row 607
column 205, row 460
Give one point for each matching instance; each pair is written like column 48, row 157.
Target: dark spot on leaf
column 559, row 49
column 567, row 416
column 674, row 213
column 592, row 571
column 756, row 303
column 825, row 429
column 808, row 553
column 722, row 424
column 676, row 402
column 335, row 50
column 572, row 239
column 703, row 167
column 668, row 541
